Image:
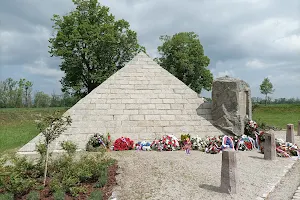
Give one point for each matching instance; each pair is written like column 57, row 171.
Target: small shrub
column 17, row 184
column 59, row 195
column 75, row 191
column 102, row 180
column 55, row 185
column 96, row 195
column 69, row 146
column 7, row 196
column 19, row 177
column 68, row 173
column 33, row 195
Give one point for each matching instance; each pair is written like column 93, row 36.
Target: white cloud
column 250, row 39
column 40, row 67
column 255, row 64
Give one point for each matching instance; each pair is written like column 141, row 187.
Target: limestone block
column 270, row 146
column 172, row 112
column 148, row 106
column 152, row 117
column 167, row 117
column 102, row 106
column 170, row 129
column 229, row 172
column 144, row 101
column 231, row 103
column 183, row 117
column 137, row 117
column 131, row 112
column 157, row 101
column 154, row 129
column 168, row 101
column 162, row 106
column 161, row 123
column 290, row 136
column 177, row 106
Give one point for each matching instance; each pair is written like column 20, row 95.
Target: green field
column 278, row 115
column 17, row 125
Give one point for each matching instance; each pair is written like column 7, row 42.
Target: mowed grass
column 278, row 115
column 17, row 126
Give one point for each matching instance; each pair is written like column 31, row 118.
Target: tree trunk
column 266, row 99
column 46, row 165
column 26, row 96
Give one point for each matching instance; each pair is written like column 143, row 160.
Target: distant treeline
column 259, row 100
column 18, row 94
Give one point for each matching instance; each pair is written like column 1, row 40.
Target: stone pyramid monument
column 142, row 101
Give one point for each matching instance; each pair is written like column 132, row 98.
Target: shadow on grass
column 211, row 188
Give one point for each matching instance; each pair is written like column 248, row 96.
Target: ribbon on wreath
column 227, row 142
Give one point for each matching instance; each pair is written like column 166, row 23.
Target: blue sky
column 246, row 39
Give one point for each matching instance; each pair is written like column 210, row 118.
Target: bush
column 19, row 177
column 55, row 185
column 7, row 196
column 33, row 195
column 59, row 195
column 69, row 146
column 96, row 195
column 69, row 173
column 102, row 180
column 75, row 191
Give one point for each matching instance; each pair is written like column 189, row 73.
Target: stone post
column 270, row 146
column 298, row 128
column 228, row 171
column 290, row 133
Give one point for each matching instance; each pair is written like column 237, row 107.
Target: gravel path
column 297, row 194
column 174, row 175
column 288, row 185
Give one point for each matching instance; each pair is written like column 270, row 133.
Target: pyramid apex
column 142, row 54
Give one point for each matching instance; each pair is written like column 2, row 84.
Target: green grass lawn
column 278, row 115
column 17, row 126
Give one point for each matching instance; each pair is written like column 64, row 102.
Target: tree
column 52, row 127
column 183, row 56
column 28, row 89
column 92, row 45
column 266, row 88
column 42, row 100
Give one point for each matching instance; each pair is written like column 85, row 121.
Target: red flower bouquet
column 123, row 143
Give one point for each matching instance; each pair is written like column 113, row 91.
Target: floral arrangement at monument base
column 98, row 141
column 250, row 128
column 183, row 139
column 260, row 138
column 123, row 143
column 227, row 142
column 145, row 146
column 156, row 145
column 166, row 143
column 214, row 144
column 286, row 149
column 199, row 143
column 245, row 143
